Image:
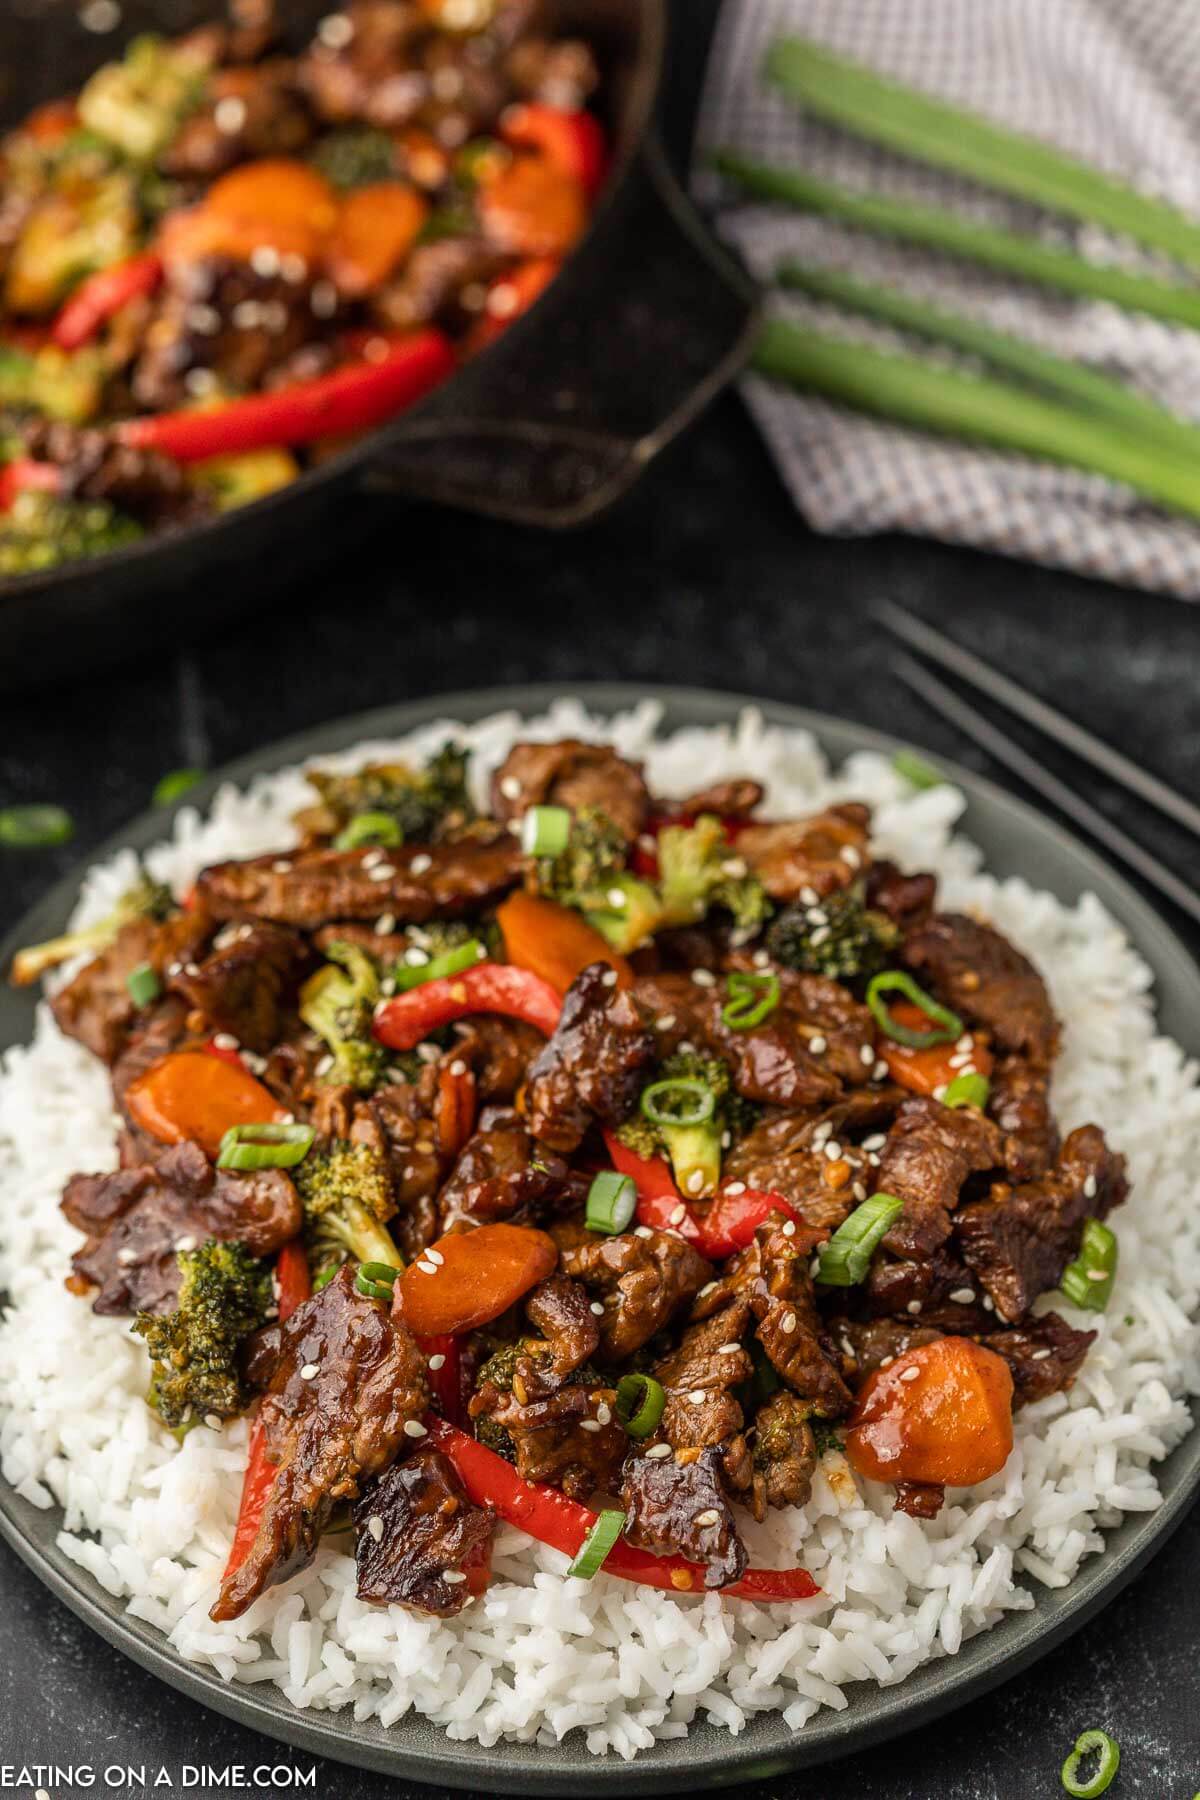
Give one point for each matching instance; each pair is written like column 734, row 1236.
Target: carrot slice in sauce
column 376, row 228
column 924, row 1071
column 531, row 208
column 469, row 1277
column 553, row 941
column 941, row 1413
column 190, row 1095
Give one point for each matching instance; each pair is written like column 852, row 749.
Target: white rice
column 543, row 1655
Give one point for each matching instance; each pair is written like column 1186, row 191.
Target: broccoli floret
column 225, row 1293
column 590, row 875
column 347, row 1200
column 146, row 899
column 841, row 937
column 137, row 104
column 338, row 1003
column 56, row 383
column 694, row 1151
column 40, row 531
column 425, row 803
column 355, row 157
column 698, row 871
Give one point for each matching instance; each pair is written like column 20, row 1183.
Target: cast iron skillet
column 1015, row 840
column 643, row 327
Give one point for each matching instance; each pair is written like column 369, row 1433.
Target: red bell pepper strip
column 727, row 1226
column 354, row 398
column 24, row 476
column 101, row 295
column 402, row 1022
column 573, row 141
column 445, row 1382
column 291, row 1274
column 546, row 1514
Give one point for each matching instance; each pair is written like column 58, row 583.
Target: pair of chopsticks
column 992, row 685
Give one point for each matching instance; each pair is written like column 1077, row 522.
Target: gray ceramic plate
column 1015, row 840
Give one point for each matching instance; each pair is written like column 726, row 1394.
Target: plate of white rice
column 550, row 1684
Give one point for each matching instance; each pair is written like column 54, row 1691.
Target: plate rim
column 766, row 1747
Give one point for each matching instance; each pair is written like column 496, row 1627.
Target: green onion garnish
column 450, row 962
column 752, row 998
column 968, row 1090
column 545, row 830
column 640, row 1403
column 611, row 1202
column 174, row 785
column 597, row 1544
column 264, row 1146
column 1106, row 1768
column 35, row 827
column 143, row 984
column 948, row 1025
column 683, row 1100
column 376, row 1280
column 323, row 1279
column 845, row 1259
column 915, row 770
column 1088, row 1281
column 369, row 828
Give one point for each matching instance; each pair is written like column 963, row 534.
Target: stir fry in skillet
column 602, row 1162
column 223, row 258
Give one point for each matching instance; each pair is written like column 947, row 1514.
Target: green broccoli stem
column 695, row 1155
column 363, row 1236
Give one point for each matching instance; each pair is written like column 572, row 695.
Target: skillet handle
column 647, row 324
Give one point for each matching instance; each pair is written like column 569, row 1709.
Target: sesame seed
column 709, row 1517
column 1039, row 1356
column 963, row 1296
column 597, row 1307
column 704, row 978
column 213, row 1420
column 809, row 896
column 760, row 959
column 850, row 856
column 387, row 986
column 710, row 1287
column 1097, row 1275
column 736, row 1187
column 885, row 1362
column 616, row 897
column 875, row 1142
column 324, row 1066
column 437, row 1362
column 126, row 1257
column 420, row 865
column 735, row 867
column 225, row 1040
column 939, row 1092
column 728, row 1349
column 185, row 1243
column 229, row 114
column 336, row 30
column 385, row 924
column 658, row 1450
column 413, row 1428
column 789, row 1229
column 874, row 1159
column 375, row 1527
column 604, row 1413
column 453, row 1576
column 589, row 1424
column 879, row 1071
column 382, row 872
column 323, row 300
column 665, row 1023
column 788, row 1323
column 678, row 1214
column 415, row 957
column 818, row 1045
column 293, row 268
column 821, row 1132
column 428, row 1053
column 695, row 1183
column 642, row 1231
column 100, row 16
column 989, row 1305
column 698, row 1396
column 371, row 857
column 910, row 1374
column 310, row 1371
column 914, row 1307
column 867, row 1054
column 1089, row 1187
column 817, row 916
column 427, row 1268
column 435, row 1256
column 960, row 1059
column 859, row 1191
column 819, row 936
column 833, row 1151
column 965, row 1042
column 458, row 1066
column 510, row 787
column 609, row 978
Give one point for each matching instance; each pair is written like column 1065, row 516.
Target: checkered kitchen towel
column 1115, row 82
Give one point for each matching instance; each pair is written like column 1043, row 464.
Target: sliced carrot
column 376, row 228
column 275, row 204
column 532, row 208
column 924, row 1071
column 191, row 1096
column 455, row 1110
column 949, row 1423
column 553, row 941
column 469, row 1277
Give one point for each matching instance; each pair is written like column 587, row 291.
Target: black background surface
column 705, row 577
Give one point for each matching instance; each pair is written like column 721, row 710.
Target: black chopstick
column 944, row 701
column 980, row 675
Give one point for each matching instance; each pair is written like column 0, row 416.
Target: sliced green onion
column 611, row 1203
column 369, row 828
column 264, row 1146
column 35, row 827
column 325, row 1277
column 1106, row 1768
column 143, row 984
column 545, row 830
column 947, row 1025
column 683, row 1100
column 752, row 998
column 916, row 771
column 376, row 1280
column 968, row 1090
column 845, row 1259
column 640, row 1403
column 450, row 962
column 597, row 1544
column 174, row 785
column 1088, row 1281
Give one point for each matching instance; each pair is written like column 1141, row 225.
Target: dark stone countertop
column 705, row 576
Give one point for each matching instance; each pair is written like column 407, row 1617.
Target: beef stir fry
column 603, row 1163
column 227, row 254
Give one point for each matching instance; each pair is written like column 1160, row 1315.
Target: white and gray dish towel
column 1116, row 83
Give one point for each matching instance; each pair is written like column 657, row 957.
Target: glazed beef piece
column 316, row 886
column 864, row 1345
column 785, row 1454
column 499, row 1051
column 569, row 1332
column 938, row 1290
column 919, row 1499
column 246, row 112
column 93, row 465
column 502, row 1173
column 799, row 857
column 402, row 1113
column 244, row 983
column 136, row 1220
column 1045, row 1355
column 907, row 900
column 96, row 1007
column 373, row 76
column 571, row 774
column 340, row 1379
column 420, row 1542
column 734, row 799
column 593, row 1066
column 700, row 1378
column 437, row 283
column 986, row 979
column 786, row 1153
column 1020, row 1104
column 1019, row 1241
column 772, row 1274
column 642, row 1278
column 569, row 1438
column 558, row 72
column 676, row 1506
column 930, row 1151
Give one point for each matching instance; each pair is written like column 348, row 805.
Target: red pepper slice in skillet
column 401, row 1023
column 573, row 141
column 727, row 1226
column 96, row 300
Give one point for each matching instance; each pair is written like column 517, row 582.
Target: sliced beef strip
column 160, row 1030
column 734, row 799
column 559, row 1309
column 137, row 1220
column 402, row 1111
column 642, row 1278
column 340, row 1378
column 700, row 1377
column 1045, row 1355
column 930, row 1151
column 907, row 900
column 263, row 116
column 785, row 1153
column 820, row 855
column 785, row 1453
column 772, row 1273
column 865, row 1345
column 244, row 983
column 1019, row 1102
column 503, row 1173
column 675, row 1505
column 96, row 1007
column 415, row 1525
column 938, row 1289
column 314, row 887
column 500, row 1052
column 593, row 1066
column 573, row 774
column 987, row 980
column 570, row 1438
column 1019, row 1240
column 919, row 1499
